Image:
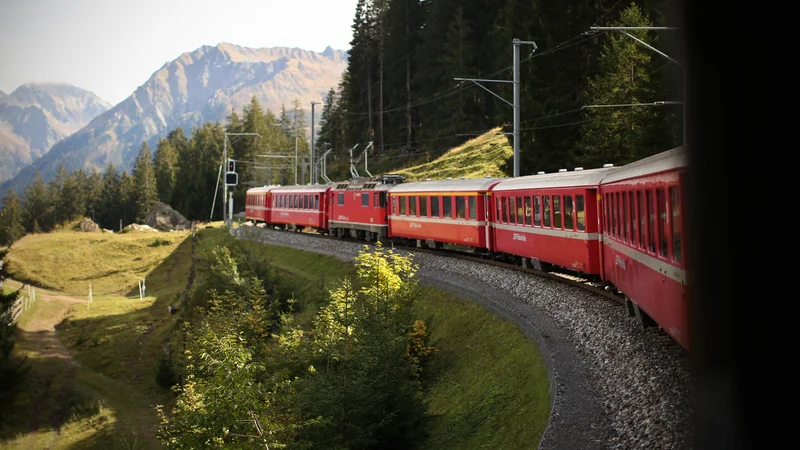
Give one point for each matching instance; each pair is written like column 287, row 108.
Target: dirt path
column 58, row 376
column 43, row 326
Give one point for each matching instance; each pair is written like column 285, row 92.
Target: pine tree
column 11, row 228
column 285, row 122
column 622, row 135
column 166, row 168
column 38, row 205
column 129, row 206
column 56, row 187
column 112, row 199
column 93, row 193
column 144, row 183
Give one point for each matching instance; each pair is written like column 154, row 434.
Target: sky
column 111, row 47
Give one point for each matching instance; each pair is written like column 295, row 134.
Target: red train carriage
column 445, row 211
column 359, row 208
column 300, row 207
column 644, row 249
column 550, row 219
column 257, row 204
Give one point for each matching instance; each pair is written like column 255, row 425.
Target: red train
column 622, row 227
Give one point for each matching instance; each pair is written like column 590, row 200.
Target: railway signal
column 231, row 177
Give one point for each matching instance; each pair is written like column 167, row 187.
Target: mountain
column 197, row 87
column 36, row 116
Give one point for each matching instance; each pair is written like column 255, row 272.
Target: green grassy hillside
column 476, row 158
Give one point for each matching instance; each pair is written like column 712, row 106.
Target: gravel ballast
column 613, row 383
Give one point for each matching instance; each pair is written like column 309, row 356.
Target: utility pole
column 225, row 161
column 516, row 42
column 313, row 173
column 295, row 159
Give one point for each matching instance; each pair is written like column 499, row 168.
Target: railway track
column 565, row 278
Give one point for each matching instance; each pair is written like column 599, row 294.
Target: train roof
column 661, row 162
column 380, row 183
column 259, row 190
column 575, row 178
column 466, row 185
column 302, row 188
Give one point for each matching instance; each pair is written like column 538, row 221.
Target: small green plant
column 160, row 241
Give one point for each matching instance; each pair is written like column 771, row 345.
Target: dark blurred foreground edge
column 737, row 59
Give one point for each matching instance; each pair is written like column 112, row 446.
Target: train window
column 435, row 206
column 394, row 205
column 556, row 211
column 375, row 200
column 537, row 212
column 447, row 207
column 546, row 202
column 675, row 203
column 460, row 208
column 498, row 213
column 632, row 204
column 520, row 210
column 511, row 210
column 505, row 209
column 316, row 202
column 382, row 199
column 364, row 199
column 412, row 206
column 402, row 206
column 662, row 222
column 612, row 230
column 423, row 206
column 527, row 210
column 651, row 223
column 616, row 215
column 624, row 207
column 569, row 224
column 341, row 199
column 306, row 204
column 581, row 212
column 642, row 218
column 473, row 208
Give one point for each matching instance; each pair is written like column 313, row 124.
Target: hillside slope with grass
column 477, row 158
column 92, row 366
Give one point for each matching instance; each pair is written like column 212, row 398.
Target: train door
column 599, row 213
column 488, row 219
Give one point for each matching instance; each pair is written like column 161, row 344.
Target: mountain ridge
column 200, row 86
column 36, row 116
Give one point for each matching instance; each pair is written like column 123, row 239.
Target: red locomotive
column 358, row 208
column 619, row 226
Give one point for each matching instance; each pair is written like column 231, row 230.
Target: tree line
column 182, row 172
column 399, row 90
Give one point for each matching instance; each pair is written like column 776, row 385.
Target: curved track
column 613, row 384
